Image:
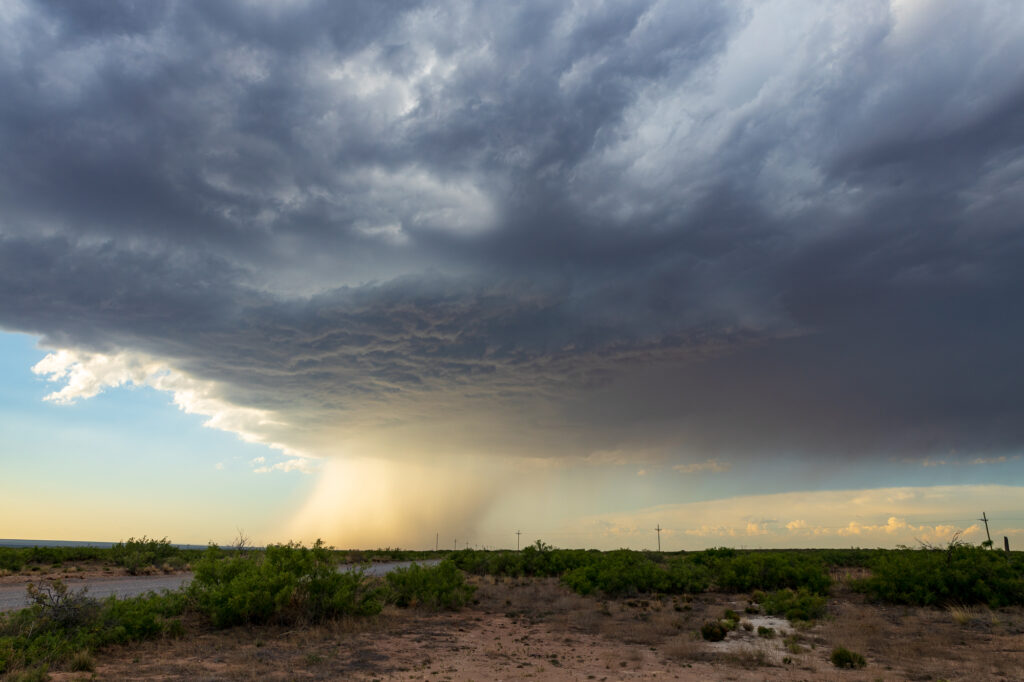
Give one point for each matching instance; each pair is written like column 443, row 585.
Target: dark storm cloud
column 693, row 228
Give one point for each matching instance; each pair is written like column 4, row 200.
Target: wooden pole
column 985, row 519
column 658, row 528
column 1006, row 544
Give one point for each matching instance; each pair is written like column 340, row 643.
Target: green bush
column 770, row 571
column 58, row 605
column 40, row 674
column 11, row 559
column 15, row 559
column 713, row 631
column 961, row 574
column 288, row 583
column 686, row 576
column 849, row 557
column 617, row 573
column 794, row 605
column 844, row 658
column 538, row 559
column 437, row 587
column 625, row 572
column 60, row 555
column 61, row 624
column 388, row 554
column 714, row 555
column 136, row 555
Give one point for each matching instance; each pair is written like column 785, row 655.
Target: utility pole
column 437, row 538
column 517, row 541
column 985, row 519
column 658, row 528
column 455, row 544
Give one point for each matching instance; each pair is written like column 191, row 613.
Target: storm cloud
column 692, row 229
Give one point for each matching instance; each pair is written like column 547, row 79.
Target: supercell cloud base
column 749, row 271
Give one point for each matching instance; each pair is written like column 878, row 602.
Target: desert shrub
column 15, row 558
column 58, row 605
column 287, row 583
column 538, row 559
column 713, row 631
column 61, row 624
column 11, row 559
column 60, row 555
column 687, row 576
column 504, row 563
column 960, row 574
column 44, row 555
column 136, row 555
column 794, row 605
column 130, row 620
column 849, row 557
column 438, row 587
column 714, row 555
column 617, row 573
column 8, row 655
column 388, row 554
column 844, row 658
column 39, row 674
column 770, row 571
column 765, row 632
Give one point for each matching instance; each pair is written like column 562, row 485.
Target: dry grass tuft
column 963, row 615
column 83, row 662
column 684, row 648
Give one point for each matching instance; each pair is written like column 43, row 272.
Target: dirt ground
column 537, row 629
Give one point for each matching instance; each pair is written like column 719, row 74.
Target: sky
column 418, row 273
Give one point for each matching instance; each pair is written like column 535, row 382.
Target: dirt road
column 13, row 597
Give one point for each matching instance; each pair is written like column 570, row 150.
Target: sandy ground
column 538, row 630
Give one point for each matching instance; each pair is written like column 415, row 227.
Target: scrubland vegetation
column 281, row 584
column 138, row 556
column 135, row 556
column 295, row 586
column 62, row 624
column 960, row 573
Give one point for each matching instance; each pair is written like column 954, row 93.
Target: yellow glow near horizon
column 368, row 503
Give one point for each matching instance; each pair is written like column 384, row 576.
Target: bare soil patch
column 537, row 629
